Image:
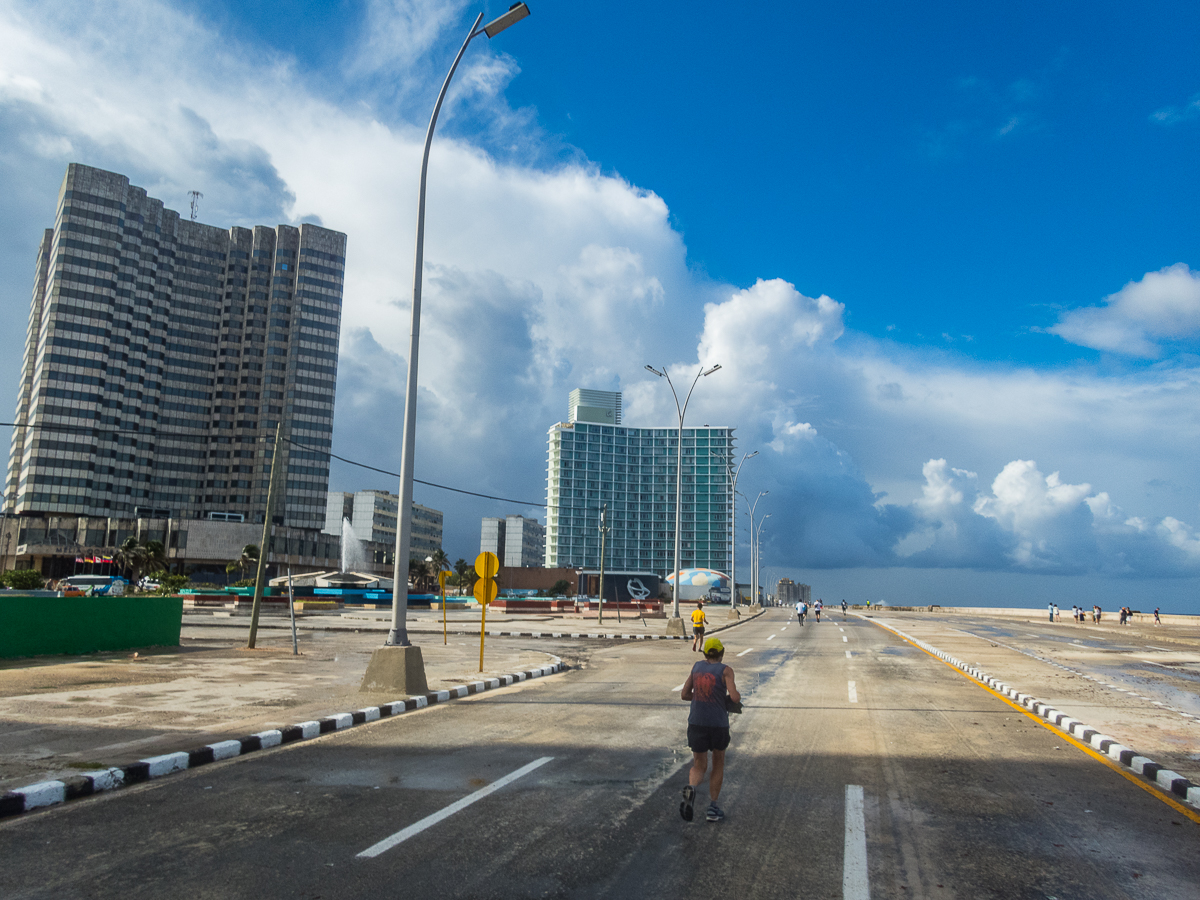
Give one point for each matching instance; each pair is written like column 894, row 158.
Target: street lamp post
column 753, row 560
column 758, row 552
column 398, row 633
column 682, row 410
column 733, row 525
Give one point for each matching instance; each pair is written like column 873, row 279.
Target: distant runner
column 817, row 610
column 699, row 620
column 802, row 610
column 707, row 687
column 843, row 609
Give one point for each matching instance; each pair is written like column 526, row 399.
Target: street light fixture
column 733, row 525
column 398, row 633
column 753, row 563
column 758, row 551
column 682, row 410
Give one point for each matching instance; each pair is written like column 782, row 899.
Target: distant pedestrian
column 699, row 620
column 1122, row 622
column 802, row 610
column 708, row 687
column 1157, row 620
column 817, row 610
column 1057, row 614
column 1050, row 608
column 843, row 609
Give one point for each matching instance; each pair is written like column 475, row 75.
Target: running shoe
column 685, row 808
column 714, row 813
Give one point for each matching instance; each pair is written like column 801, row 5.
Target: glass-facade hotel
column 632, row 470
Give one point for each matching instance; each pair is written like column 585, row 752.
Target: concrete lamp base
column 734, row 614
column 675, row 626
column 395, row 670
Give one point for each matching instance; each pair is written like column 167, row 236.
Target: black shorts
column 698, row 630
column 702, row 738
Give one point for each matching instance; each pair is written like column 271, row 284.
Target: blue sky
column 946, row 254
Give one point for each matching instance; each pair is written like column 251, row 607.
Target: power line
column 93, row 431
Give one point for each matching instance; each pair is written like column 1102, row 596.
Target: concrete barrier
column 33, row 626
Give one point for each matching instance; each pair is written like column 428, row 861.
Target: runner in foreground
column 707, row 687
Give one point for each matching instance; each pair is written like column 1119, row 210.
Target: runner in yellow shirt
column 698, row 622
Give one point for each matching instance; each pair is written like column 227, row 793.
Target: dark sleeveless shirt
column 708, row 695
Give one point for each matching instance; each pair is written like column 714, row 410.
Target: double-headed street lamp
column 753, row 560
column 758, row 552
column 682, row 410
column 398, row 634
column 733, row 524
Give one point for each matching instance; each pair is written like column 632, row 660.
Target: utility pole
column 266, row 538
column 603, row 534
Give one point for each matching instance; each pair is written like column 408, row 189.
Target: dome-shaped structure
column 695, row 583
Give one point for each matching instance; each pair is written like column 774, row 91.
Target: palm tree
column 155, row 556
column 463, row 570
column 131, row 556
column 248, row 558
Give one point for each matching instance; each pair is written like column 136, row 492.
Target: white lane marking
column 771, row 638
column 853, row 691
column 416, row 828
column 677, row 688
column 744, row 652
column 784, row 628
column 848, row 655
column 845, row 640
column 840, row 628
column 855, row 884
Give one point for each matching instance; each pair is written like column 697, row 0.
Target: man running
column 802, row 610
column 817, row 611
column 699, row 620
column 843, row 609
column 709, row 683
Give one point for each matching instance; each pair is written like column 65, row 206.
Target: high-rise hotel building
column 160, row 355
column 595, row 460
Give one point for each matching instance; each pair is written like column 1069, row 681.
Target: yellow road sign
column 485, row 590
column 487, row 565
column 442, row 576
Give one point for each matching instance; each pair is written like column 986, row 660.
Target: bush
column 23, row 579
column 245, row 582
column 560, row 589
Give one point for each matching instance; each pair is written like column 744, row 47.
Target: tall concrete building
column 518, row 542
column 160, row 355
column 372, row 516
column 595, row 460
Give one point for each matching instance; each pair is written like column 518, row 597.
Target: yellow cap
column 713, row 644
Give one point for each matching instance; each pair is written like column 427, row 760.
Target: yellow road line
column 1152, row 789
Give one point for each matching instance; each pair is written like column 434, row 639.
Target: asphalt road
column 862, row 767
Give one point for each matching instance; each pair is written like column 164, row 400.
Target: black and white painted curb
column 50, row 793
column 1110, row 747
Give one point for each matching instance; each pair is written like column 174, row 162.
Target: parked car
column 148, row 584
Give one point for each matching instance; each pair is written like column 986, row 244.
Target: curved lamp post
column 753, row 551
column 682, row 410
column 398, row 634
column 758, row 551
column 733, row 526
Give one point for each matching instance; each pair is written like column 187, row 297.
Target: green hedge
column 33, row 626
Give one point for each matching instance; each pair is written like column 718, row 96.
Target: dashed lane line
column 848, row 656
column 744, row 652
column 855, row 883
column 457, row 806
column 845, row 640
column 853, row 691
column 771, row 638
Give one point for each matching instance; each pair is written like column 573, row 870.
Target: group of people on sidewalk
column 1080, row 614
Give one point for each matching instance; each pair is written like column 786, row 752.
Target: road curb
column 52, row 793
column 1172, row 782
column 579, row 635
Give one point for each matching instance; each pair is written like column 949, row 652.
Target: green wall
column 32, row 626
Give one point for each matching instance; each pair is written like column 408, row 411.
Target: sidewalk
column 63, row 715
